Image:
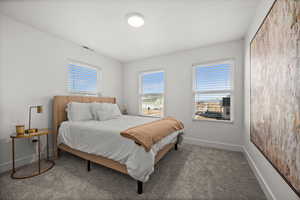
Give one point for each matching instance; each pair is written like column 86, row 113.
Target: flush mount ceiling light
column 135, row 20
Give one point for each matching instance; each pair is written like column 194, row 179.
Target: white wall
column 33, row 69
column 274, row 186
column 178, row 90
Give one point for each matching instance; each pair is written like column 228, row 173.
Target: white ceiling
column 170, row 25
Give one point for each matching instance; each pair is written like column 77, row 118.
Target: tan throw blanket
column 150, row 133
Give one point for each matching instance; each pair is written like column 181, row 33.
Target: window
column 82, row 78
column 151, row 98
column 213, row 91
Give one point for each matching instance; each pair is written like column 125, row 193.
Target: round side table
column 40, row 170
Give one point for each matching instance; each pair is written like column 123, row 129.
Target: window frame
column 86, row 65
column 140, row 91
column 230, row 61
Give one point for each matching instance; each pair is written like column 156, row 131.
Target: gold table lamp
column 39, row 109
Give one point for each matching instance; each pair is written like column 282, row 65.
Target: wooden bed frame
column 59, row 115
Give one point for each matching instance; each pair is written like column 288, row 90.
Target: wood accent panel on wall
column 275, row 90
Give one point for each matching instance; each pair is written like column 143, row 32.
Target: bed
column 100, row 142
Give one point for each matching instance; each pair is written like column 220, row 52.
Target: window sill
column 217, row 121
column 148, row 116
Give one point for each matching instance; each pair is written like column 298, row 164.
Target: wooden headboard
column 59, row 109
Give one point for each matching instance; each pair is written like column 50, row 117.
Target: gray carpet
column 192, row 172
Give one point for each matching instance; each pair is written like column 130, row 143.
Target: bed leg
column 139, row 187
column 58, row 152
column 88, row 165
column 176, row 146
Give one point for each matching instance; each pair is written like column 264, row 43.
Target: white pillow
column 94, row 107
column 106, row 111
column 79, row 111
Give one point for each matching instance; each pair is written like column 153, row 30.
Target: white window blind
column 215, row 77
column 212, row 91
column 82, row 79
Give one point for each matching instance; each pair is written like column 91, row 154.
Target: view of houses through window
column 152, row 93
column 213, row 91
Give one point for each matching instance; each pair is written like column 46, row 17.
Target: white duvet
column 103, row 138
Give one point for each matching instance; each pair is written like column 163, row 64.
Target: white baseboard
column 263, row 184
column 217, row 145
column 4, row 167
column 7, row 166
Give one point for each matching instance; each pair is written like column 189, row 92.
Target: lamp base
column 32, row 130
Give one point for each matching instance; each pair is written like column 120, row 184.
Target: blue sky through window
column 153, row 83
column 211, row 97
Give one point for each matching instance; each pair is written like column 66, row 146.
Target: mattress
column 103, row 138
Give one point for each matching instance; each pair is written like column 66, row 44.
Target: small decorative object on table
column 39, row 109
column 41, row 169
column 20, row 129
